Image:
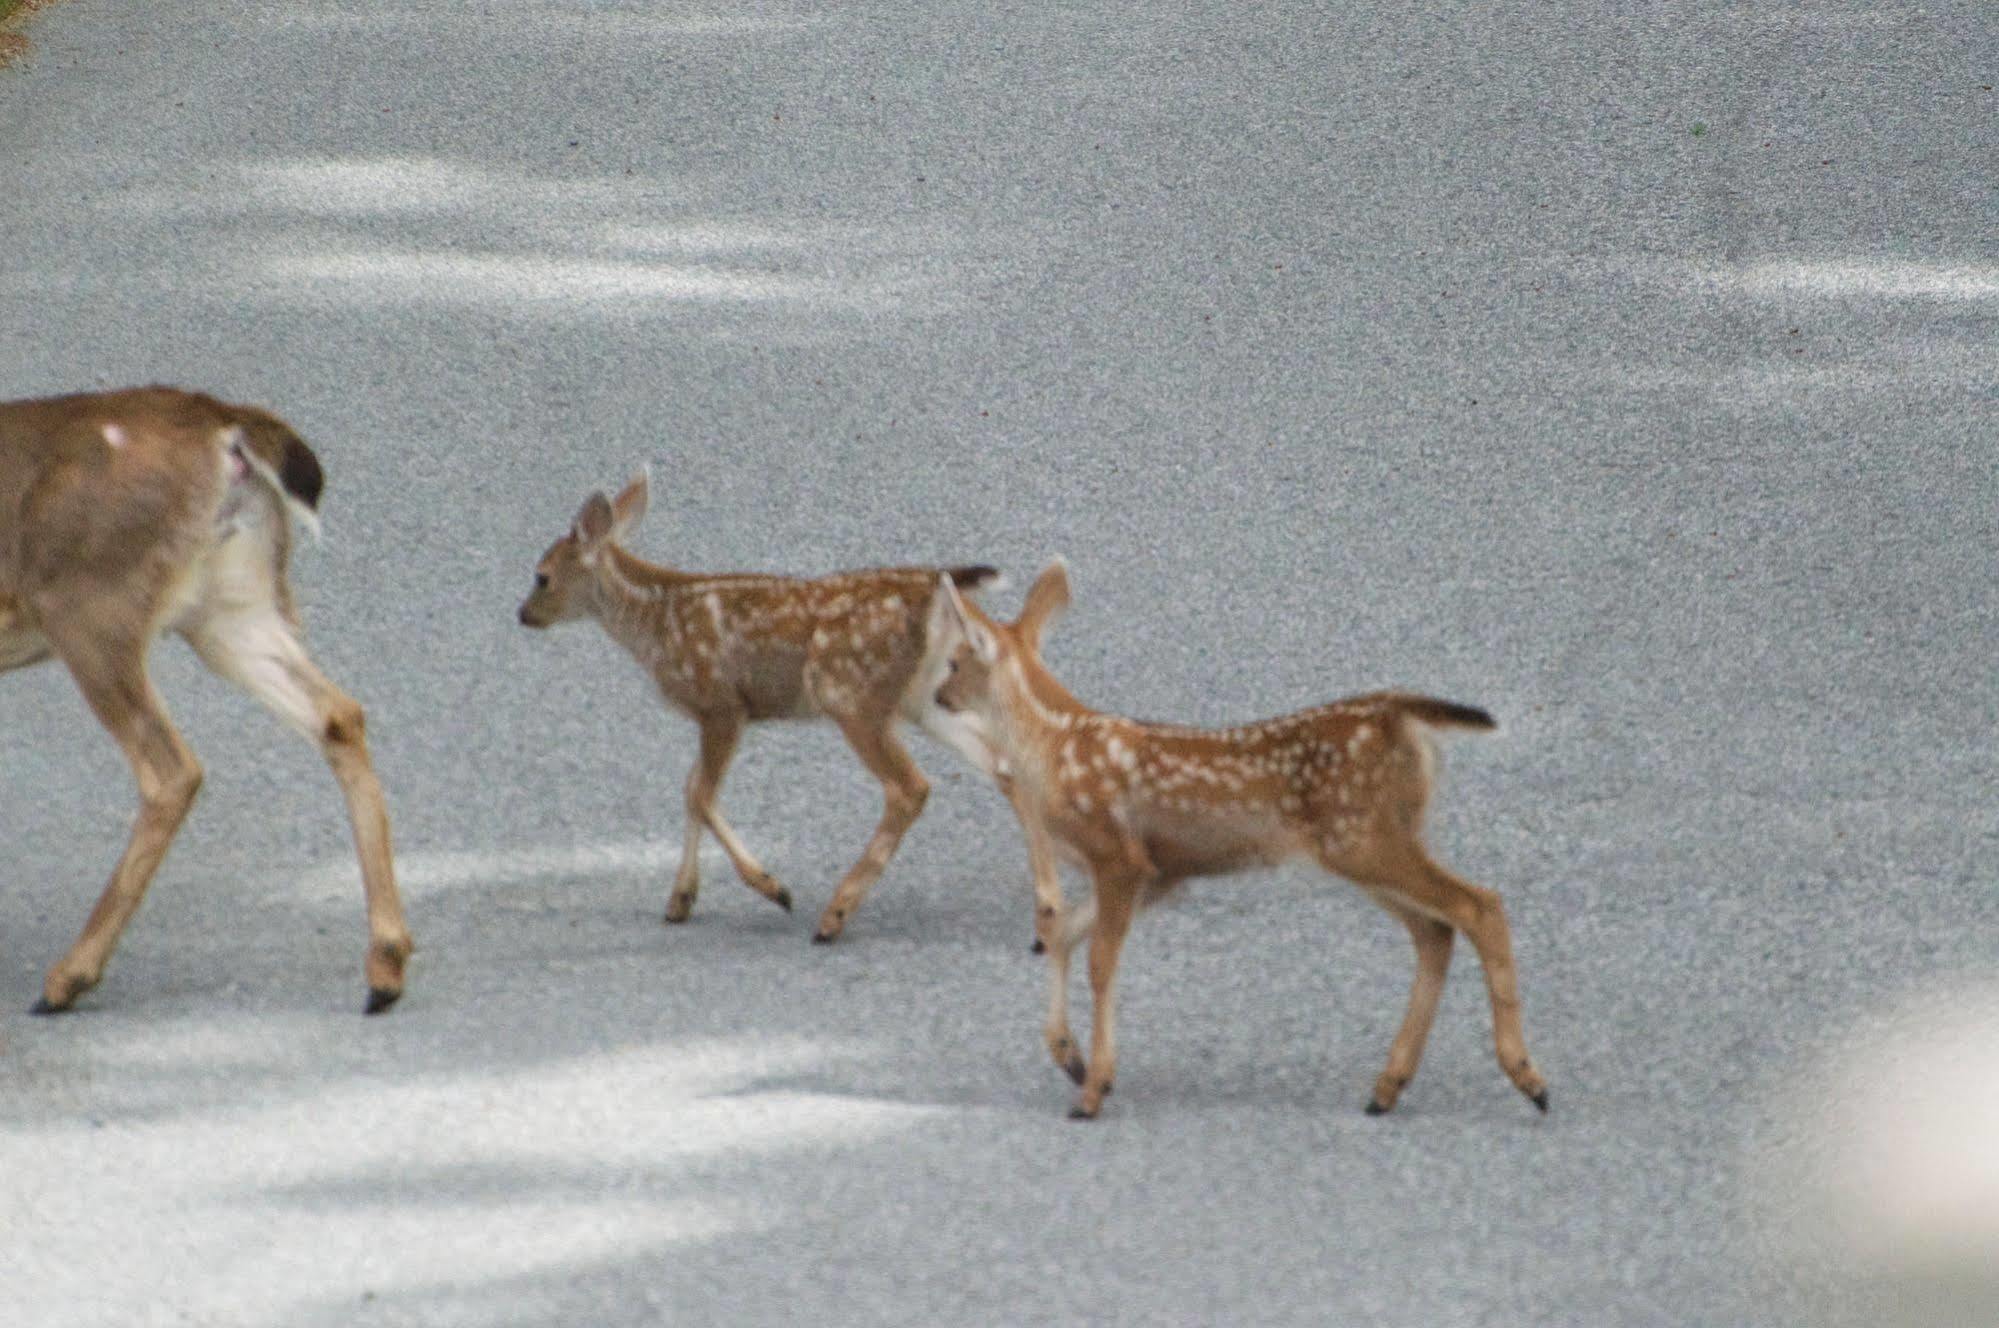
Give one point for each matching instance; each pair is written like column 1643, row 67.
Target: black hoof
column 1077, row 1113
column 380, row 1000
column 1076, row 1070
column 822, row 938
column 1374, row 1108
column 1540, row 1100
column 1039, row 947
column 782, row 899
column 42, row 1006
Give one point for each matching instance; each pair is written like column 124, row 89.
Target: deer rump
column 86, row 481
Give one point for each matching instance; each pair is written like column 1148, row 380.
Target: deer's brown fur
column 729, row 650
column 1143, row 807
column 125, row 515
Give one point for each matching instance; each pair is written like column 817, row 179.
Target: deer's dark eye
column 541, row 580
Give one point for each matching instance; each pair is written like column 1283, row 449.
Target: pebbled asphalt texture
column 1627, row 371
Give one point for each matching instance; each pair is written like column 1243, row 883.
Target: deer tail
column 280, row 458
column 975, row 577
column 1445, row 714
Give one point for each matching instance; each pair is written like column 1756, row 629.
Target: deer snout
column 528, row 619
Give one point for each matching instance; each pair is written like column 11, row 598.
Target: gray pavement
column 1633, row 377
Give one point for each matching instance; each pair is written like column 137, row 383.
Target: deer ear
column 593, row 522
column 949, row 615
column 1046, row 599
column 629, row 507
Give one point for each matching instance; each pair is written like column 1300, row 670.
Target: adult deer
column 1144, row 807
column 729, row 650
column 125, row 515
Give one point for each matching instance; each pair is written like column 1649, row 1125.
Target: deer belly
column 773, row 687
column 21, row 643
column 1202, row 843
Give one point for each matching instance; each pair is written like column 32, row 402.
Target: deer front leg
column 115, row 684
column 904, row 791
column 260, row 652
column 1062, row 1048
column 1117, row 900
column 718, row 743
column 1041, row 866
column 720, row 731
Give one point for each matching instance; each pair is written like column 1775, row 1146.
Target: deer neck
column 631, row 598
column 1036, row 715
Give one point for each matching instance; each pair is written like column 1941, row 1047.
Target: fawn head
column 988, row 656
column 564, row 577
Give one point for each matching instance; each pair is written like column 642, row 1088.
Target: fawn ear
column 629, row 507
column 593, row 523
column 950, row 618
column 1046, row 599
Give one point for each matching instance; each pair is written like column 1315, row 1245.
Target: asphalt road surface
column 1633, row 378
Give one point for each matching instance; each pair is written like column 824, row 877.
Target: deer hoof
column 1374, row 1108
column 782, row 898
column 1081, row 1112
column 380, row 999
column 825, row 937
column 1540, row 1100
column 42, row 1006
column 1077, row 1070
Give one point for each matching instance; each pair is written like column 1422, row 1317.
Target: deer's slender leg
column 1422, row 885
column 687, row 880
column 1062, row 1048
column 904, row 791
column 260, row 651
column 112, row 676
column 720, row 731
column 1432, row 940
column 718, row 744
column 1117, row 894
column 1041, row 866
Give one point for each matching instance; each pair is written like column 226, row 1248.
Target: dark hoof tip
column 1374, row 1108
column 782, row 899
column 1078, row 1071
column 1039, row 947
column 822, row 938
column 1540, row 1100
column 1081, row 1113
column 380, row 1000
column 42, row 1006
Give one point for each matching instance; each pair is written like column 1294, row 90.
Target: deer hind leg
column 1433, row 961
column 259, row 650
column 1420, row 884
column 720, row 731
column 904, row 791
column 113, row 680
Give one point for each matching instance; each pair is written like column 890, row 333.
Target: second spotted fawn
column 732, row 649
column 1143, row 807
